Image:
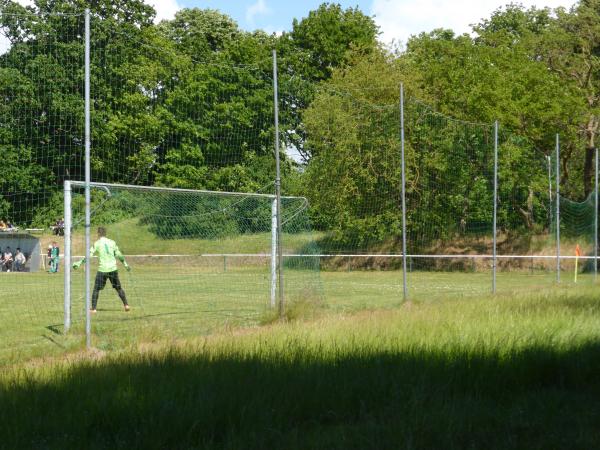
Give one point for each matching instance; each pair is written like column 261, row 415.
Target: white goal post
column 108, row 187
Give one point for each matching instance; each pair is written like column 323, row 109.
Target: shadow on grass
column 56, row 328
column 536, row 398
column 53, row 340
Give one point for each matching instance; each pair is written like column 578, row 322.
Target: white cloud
column 165, row 9
column 5, row 43
column 270, row 29
column 258, row 8
column 399, row 19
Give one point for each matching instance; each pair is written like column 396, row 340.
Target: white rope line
column 345, row 255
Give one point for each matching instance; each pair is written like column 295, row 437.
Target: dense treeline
column 188, row 103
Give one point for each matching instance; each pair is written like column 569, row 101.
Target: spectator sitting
column 58, row 228
column 3, row 226
column 20, row 260
column 8, row 259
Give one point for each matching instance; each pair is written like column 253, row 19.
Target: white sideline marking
column 345, row 255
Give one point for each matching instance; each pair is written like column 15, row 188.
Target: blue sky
column 397, row 19
column 268, row 15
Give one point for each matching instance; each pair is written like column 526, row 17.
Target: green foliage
column 449, row 176
column 188, row 103
column 500, row 75
column 159, row 116
column 353, row 177
column 200, row 32
column 195, row 215
column 329, row 38
column 328, row 35
column 565, row 45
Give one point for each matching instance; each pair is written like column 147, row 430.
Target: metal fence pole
column 495, row 231
column 596, row 220
column 88, row 324
column 403, row 175
column 549, row 164
column 557, row 165
column 278, row 186
column 67, row 261
column 274, row 253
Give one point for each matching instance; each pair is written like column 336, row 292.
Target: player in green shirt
column 108, row 252
column 54, row 257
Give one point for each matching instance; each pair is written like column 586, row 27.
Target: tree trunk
column 589, row 166
column 588, row 171
column 528, row 213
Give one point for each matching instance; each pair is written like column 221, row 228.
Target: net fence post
column 88, row 327
column 273, row 253
column 495, row 225
column 549, row 164
column 403, row 172
column 557, row 166
column 596, row 216
column 67, row 257
column 278, row 186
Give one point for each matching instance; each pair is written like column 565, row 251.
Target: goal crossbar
column 108, row 186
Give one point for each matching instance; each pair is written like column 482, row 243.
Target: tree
column 200, row 33
column 566, row 43
column 353, row 176
column 575, row 56
column 497, row 77
column 158, row 114
column 353, row 136
column 329, row 37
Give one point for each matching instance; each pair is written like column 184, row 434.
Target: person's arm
column 121, row 258
column 78, row 264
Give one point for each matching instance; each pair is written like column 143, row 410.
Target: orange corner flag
column 577, row 250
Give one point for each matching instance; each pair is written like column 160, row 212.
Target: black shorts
column 101, row 278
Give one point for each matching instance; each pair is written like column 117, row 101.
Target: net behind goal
column 200, row 260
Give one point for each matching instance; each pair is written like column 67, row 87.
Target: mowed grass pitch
column 514, row 371
column 172, row 300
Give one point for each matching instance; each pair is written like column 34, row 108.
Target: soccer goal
column 199, row 259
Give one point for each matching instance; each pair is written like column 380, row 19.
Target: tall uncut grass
column 493, row 373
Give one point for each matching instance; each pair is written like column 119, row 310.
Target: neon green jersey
column 107, row 252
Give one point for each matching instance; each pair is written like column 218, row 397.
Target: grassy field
column 173, row 299
column 513, row 371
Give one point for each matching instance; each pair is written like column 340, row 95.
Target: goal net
column 576, row 238
column 199, row 260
